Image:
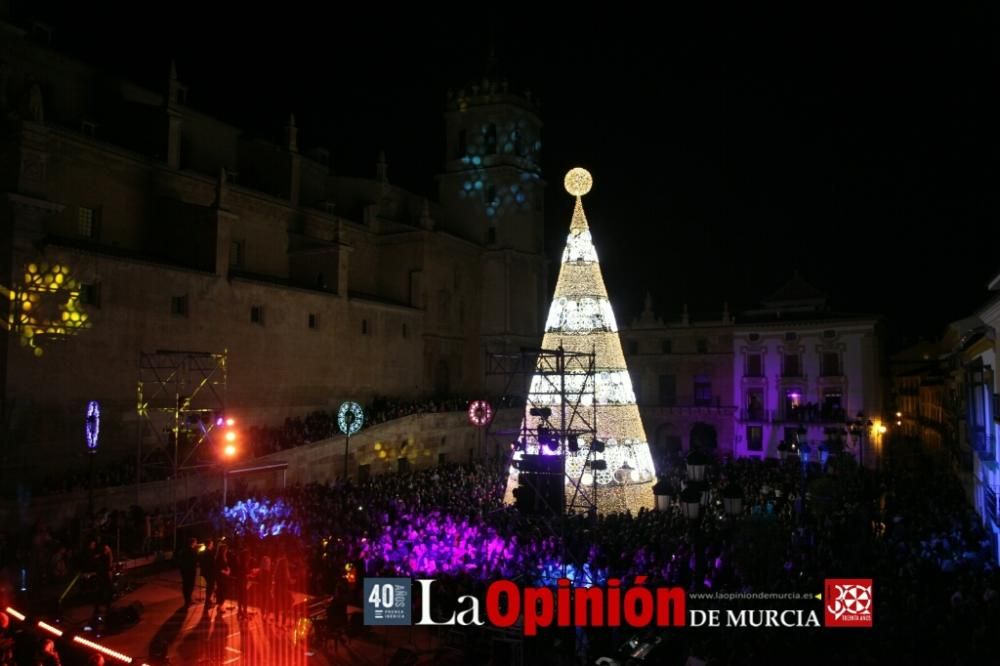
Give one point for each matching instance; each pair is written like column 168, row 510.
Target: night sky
column 727, row 150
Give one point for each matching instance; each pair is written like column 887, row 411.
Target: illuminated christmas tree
column 581, row 321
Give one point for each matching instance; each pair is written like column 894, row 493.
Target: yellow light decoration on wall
column 581, row 320
column 46, row 306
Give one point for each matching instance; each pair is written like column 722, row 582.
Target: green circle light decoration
column 350, row 417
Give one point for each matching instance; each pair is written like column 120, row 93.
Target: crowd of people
column 907, row 526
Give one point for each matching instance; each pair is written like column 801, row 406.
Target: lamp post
column 859, row 427
column 350, row 418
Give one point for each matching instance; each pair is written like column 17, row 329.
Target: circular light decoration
column 93, row 425
column 480, row 413
column 350, row 418
column 578, row 182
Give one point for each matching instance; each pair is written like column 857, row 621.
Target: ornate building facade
column 792, row 370
column 132, row 222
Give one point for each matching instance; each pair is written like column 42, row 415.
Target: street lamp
column 859, row 427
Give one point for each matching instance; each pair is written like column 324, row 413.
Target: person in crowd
column 187, row 562
column 206, row 564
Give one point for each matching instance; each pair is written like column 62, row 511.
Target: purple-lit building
column 791, row 371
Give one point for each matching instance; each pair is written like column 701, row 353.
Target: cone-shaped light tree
column 581, row 321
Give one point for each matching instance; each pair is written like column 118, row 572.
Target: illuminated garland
column 581, row 320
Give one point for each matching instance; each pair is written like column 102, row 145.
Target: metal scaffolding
column 180, row 395
column 561, row 405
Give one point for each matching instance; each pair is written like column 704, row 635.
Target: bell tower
column 492, row 186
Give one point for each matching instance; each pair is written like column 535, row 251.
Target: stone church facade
column 138, row 223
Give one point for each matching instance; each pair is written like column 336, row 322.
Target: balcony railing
column 821, row 416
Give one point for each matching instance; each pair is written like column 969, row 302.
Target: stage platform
column 196, row 636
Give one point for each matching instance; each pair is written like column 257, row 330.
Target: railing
column 837, row 416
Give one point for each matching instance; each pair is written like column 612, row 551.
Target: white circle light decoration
column 350, row 418
column 480, row 413
column 578, row 181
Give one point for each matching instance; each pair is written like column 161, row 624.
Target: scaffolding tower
column 560, row 409
column 180, row 396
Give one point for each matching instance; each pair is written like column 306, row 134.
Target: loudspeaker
column 541, row 485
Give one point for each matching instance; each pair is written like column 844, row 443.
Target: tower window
column 87, row 223
column 313, row 320
column 702, row 345
column 237, row 251
column 179, row 306
column 90, row 294
column 406, row 333
column 365, row 330
column 257, row 314
column 490, row 139
column 667, row 346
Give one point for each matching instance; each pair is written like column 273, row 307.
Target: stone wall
column 421, row 439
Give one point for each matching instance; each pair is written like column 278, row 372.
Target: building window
column 831, row 364
column 406, row 333
column 237, row 253
column 793, row 403
column 755, row 438
column 754, row 337
column 492, row 200
column 179, row 306
column 667, row 346
column 702, row 392
column 364, row 327
column 702, row 345
column 257, row 314
column 87, row 223
column 830, row 334
column 755, row 404
column 833, row 405
column 490, row 140
column 668, row 390
column 313, row 320
column 755, row 365
column 633, row 347
column 791, row 368
column 791, row 337
column 90, row 294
